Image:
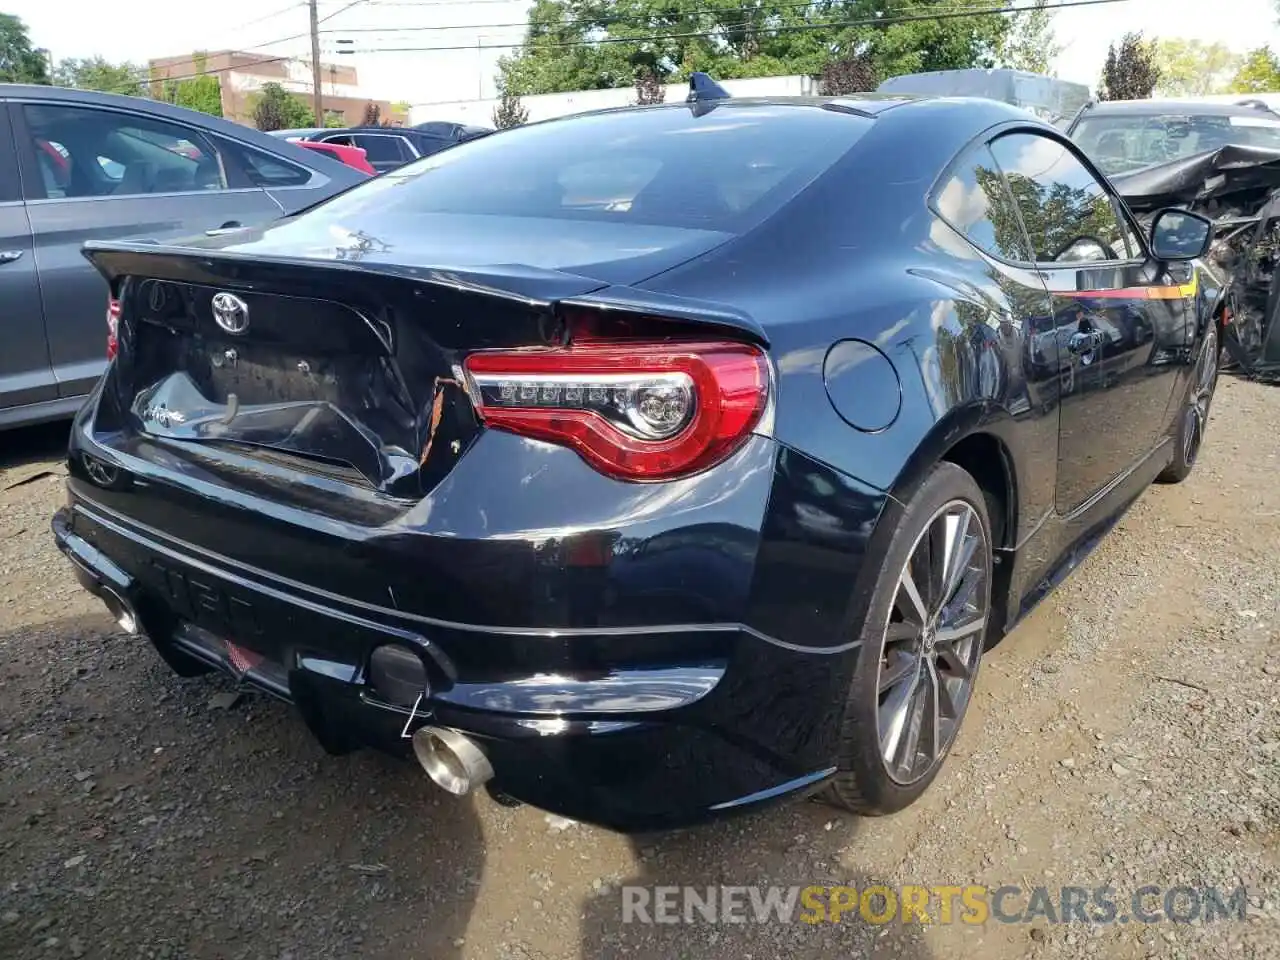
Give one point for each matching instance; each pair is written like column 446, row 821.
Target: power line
column 146, row 75
column 268, row 16
column 428, row 4
column 796, row 28
column 298, row 36
column 605, row 20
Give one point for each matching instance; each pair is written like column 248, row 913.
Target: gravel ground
column 1126, row 734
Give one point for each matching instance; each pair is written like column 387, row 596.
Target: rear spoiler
column 534, row 287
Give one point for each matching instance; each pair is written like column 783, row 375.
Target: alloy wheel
column 1198, row 397
column 932, row 642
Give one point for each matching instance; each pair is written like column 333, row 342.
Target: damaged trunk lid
column 335, row 371
column 337, row 355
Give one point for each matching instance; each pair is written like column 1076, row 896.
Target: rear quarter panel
column 861, row 257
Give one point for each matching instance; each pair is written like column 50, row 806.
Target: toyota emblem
column 230, row 312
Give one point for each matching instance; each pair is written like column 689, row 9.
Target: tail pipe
column 121, row 610
column 454, row 762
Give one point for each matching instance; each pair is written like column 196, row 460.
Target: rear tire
column 1193, row 414
column 921, row 645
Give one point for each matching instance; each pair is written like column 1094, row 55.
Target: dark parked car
column 389, row 147
column 102, row 166
column 652, row 464
column 1121, row 136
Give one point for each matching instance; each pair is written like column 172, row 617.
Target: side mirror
column 1180, row 235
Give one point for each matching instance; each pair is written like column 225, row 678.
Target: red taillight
column 640, row 410
column 113, row 327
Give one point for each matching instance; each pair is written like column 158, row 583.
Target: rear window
column 266, row 171
column 662, row 166
column 1124, row 142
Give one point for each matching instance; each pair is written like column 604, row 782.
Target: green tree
column 202, row 92
column 851, row 74
column 649, row 88
column 1130, row 71
column 19, row 61
column 509, row 112
column 563, row 48
column 1031, row 43
column 98, row 73
column 1192, row 68
column 275, row 108
column 1001, row 209
column 1259, row 73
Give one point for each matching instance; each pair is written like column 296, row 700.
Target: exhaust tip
column 454, row 762
column 125, row 616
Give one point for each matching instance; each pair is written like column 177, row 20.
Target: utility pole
column 315, row 64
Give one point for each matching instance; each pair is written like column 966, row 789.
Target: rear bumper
column 632, row 743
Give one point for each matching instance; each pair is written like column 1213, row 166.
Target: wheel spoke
column 917, row 608
column 895, row 712
column 959, row 552
column 952, row 632
column 909, row 747
column 937, row 569
column 950, row 702
column 1191, row 442
column 1208, row 363
column 901, row 666
column 954, row 661
column 963, row 597
column 930, row 739
column 899, row 633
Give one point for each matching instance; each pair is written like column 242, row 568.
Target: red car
column 351, row 156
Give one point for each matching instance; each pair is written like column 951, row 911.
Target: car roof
column 158, row 108
column 166, row 111
column 296, row 131
column 375, row 128
column 1189, row 107
column 868, row 105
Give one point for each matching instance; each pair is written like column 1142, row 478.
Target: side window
column 264, row 170
column 1068, row 214
column 976, row 201
column 382, row 149
column 86, row 152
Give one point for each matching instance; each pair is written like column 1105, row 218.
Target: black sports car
column 649, row 464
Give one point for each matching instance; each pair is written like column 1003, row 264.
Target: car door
column 92, row 172
column 26, row 376
column 1119, row 318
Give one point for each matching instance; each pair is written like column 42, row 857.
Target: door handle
column 8, row 256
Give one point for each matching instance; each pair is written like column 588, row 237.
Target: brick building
column 241, row 75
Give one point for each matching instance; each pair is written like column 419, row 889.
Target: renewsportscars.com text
column 946, row 904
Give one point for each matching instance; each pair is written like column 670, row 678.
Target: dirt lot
column 1126, row 735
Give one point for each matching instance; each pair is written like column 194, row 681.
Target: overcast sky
column 137, row 30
